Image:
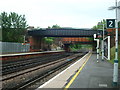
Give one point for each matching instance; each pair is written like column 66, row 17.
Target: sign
column 110, row 23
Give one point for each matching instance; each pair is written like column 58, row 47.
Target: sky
column 65, row 13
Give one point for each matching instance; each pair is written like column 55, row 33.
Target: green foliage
column 75, row 47
column 113, row 55
column 54, row 27
column 86, row 46
column 100, row 25
column 49, row 27
column 91, row 39
column 95, row 27
column 13, row 27
column 49, row 40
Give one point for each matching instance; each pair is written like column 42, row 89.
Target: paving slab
column 63, row 78
column 95, row 75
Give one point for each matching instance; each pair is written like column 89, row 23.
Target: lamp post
column 103, row 43
column 102, row 40
column 96, row 39
column 115, row 71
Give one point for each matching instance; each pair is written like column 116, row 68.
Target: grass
column 79, row 47
column 113, row 55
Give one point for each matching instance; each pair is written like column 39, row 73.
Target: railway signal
column 102, row 39
column 97, row 39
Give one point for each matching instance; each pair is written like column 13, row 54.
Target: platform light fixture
column 115, row 71
column 103, row 25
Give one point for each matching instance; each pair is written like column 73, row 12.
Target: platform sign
column 110, row 23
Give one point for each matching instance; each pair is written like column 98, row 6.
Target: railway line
column 31, row 70
column 29, row 63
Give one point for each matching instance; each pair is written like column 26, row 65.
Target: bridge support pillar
column 66, row 47
column 35, row 43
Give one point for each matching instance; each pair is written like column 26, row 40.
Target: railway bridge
column 36, row 35
column 63, row 32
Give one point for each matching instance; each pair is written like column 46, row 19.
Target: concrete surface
column 95, row 75
column 62, row 78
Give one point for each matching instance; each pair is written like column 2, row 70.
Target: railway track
column 29, row 63
column 45, row 69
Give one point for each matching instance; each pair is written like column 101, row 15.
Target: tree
column 55, row 27
column 49, row 40
column 101, row 26
column 13, row 27
column 49, row 27
column 98, row 26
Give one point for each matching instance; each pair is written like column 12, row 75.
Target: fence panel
column 11, row 47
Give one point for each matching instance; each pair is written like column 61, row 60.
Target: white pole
column 103, row 44
column 108, row 47
column 115, row 72
column 118, row 14
column 97, row 46
column 97, row 50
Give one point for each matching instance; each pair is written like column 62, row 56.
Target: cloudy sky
column 65, row 13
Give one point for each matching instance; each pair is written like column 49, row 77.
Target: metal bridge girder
column 64, row 32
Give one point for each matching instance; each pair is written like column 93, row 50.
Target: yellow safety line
column 71, row 81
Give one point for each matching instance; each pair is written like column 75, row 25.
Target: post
column 97, row 50
column 97, row 47
column 103, row 44
column 115, row 72
column 108, row 47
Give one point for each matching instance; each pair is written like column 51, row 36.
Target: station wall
column 11, row 47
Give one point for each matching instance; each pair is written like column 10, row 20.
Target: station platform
column 28, row 53
column 95, row 75
column 85, row 73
